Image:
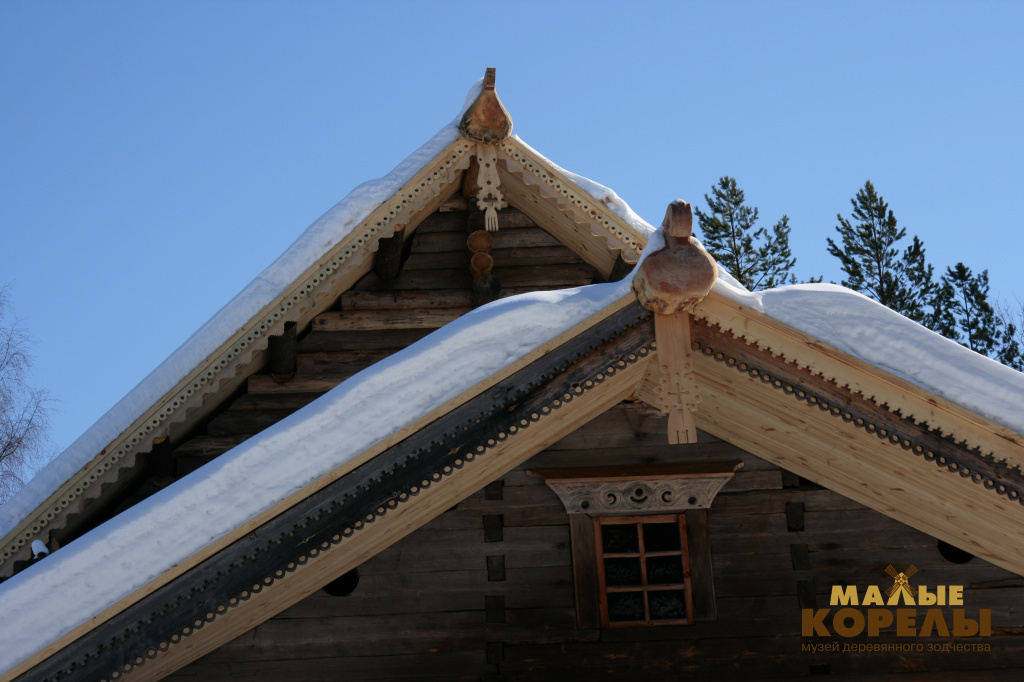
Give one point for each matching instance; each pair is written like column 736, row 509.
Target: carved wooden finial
column 680, row 275
column 486, row 120
column 670, row 282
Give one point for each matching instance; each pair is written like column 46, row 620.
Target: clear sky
column 156, row 156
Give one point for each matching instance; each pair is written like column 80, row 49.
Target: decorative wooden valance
column 649, row 488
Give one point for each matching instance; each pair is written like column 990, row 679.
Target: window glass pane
column 661, row 537
column 619, row 538
column 622, row 572
column 664, row 570
column 625, row 606
column 667, row 604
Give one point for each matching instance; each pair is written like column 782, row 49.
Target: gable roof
column 324, row 261
column 768, row 387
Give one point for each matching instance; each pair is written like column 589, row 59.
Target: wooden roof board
column 858, row 430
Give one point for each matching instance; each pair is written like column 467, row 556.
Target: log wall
column 485, row 591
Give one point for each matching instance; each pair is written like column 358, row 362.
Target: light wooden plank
column 861, row 377
column 860, row 466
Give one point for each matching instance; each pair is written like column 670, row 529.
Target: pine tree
column 758, row 257
column 962, row 310
column 872, row 261
column 1011, row 335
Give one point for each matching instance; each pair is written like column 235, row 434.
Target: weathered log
column 480, row 264
column 404, row 300
column 479, row 241
column 333, row 321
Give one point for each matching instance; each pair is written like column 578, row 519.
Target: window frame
column 645, row 587
column 680, row 489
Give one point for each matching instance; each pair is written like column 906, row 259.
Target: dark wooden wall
column 485, row 591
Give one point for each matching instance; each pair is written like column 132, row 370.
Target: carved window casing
column 640, row 546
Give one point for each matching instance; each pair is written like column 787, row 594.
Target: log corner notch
column 486, row 120
column 669, row 283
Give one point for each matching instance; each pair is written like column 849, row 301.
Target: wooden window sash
column 644, row 588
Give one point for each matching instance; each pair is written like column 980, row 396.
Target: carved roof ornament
column 486, row 120
column 670, row 282
column 489, row 198
column 680, row 275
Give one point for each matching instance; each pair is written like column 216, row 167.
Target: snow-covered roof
column 303, row 254
column 65, row 590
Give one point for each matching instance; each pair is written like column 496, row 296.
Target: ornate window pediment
column 628, row 571
column 639, row 489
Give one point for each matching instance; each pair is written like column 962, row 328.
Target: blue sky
column 155, row 157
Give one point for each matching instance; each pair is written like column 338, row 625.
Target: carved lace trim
column 585, row 209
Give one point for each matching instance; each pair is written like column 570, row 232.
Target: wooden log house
column 661, row 491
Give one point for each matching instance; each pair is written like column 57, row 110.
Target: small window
column 643, row 568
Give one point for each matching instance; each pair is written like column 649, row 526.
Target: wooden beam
column 698, row 540
column 388, row 262
column 282, row 351
column 826, row 449
column 584, row 569
column 368, row 320
column 677, row 386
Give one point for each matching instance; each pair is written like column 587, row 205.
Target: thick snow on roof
column 305, row 252
column 855, row 324
column 107, row 564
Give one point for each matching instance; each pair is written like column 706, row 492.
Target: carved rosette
column 639, row 496
column 679, row 390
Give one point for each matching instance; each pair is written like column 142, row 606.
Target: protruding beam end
column 486, row 120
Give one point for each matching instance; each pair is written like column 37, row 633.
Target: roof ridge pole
column 670, row 282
